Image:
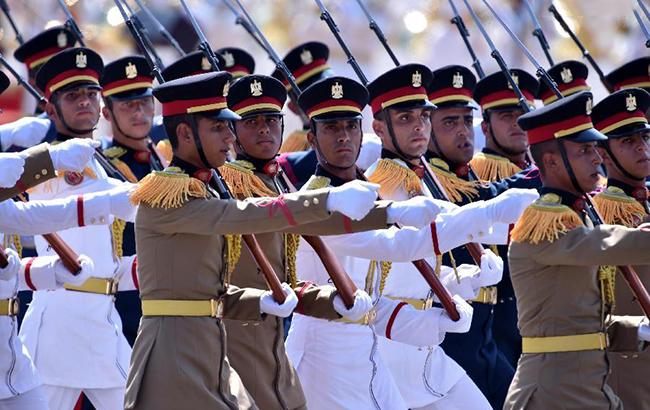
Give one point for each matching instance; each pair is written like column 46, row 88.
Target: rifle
column 203, row 41
column 71, row 24
column 639, row 20
column 26, row 85
column 629, row 274
column 537, row 32
column 244, row 23
column 582, row 48
column 5, row 9
column 464, row 34
column 377, row 30
column 161, row 29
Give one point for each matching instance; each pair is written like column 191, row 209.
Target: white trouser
column 33, row 399
column 464, row 395
column 64, row 398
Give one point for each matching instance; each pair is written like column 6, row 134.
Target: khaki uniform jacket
column 180, row 362
column 557, row 290
column 38, row 168
column 256, row 348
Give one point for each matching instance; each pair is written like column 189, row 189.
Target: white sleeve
column 127, row 275
column 37, row 273
column 25, row 132
column 465, row 224
column 401, row 322
column 39, row 217
column 465, row 285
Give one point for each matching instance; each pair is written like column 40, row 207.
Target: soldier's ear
column 106, row 113
column 485, row 128
column 552, row 160
column 51, row 110
column 379, row 128
column 311, row 139
column 184, row 132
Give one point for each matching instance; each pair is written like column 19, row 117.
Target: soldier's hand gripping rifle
column 537, row 32
column 629, row 274
column 457, row 20
column 5, row 9
column 582, row 48
column 71, row 24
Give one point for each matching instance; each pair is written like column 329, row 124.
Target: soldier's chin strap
column 74, row 131
column 393, row 139
column 197, row 141
column 322, row 156
column 618, row 165
column 569, row 168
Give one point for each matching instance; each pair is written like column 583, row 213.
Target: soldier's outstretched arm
column 37, row 168
column 48, row 273
column 25, row 132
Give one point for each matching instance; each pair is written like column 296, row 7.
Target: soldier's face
column 133, row 117
column 454, row 132
column 216, row 138
column 632, row 152
column 260, row 136
column 585, row 160
column 339, row 141
column 78, row 106
column 412, row 130
column 506, row 130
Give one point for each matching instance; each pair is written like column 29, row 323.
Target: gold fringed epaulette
column 317, row 182
column 392, row 176
column 164, row 147
column 545, row 220
column 242, row 180
column 493, row 168
column 616, row 207
column 296, row 141
column 233, row 253
column 454, row 187
column 607, row 281
column 117, row 235
column 291, row 243
column 166, row 189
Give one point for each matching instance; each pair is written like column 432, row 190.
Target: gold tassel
column 545, row 220
column 384, row 267
column 243, row 182
column 291, row 243
column 18, row 246
column 296, row 141
column 607, row 279
column 370, row 277
column 164, row 147
column 492, row 168
column 233, row 253
column 452, row 260
column 166, row 189
column 392, row 176
column 124, row 169
column 617, row 208
column 454, row 187
column 117, row 235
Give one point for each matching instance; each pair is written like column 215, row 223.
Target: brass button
column 624, row 356
column 315, row 201
column 37, row 176
column 306, row 203
column 102, row 219
column 245, row 324
column 44, row 172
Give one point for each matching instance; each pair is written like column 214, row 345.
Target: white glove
column 644, row 330
column 120, row 206
column 63, row 275
column 353, row 199
column 463, row 324
column 508, row 207
column 418, row 211
column 270, row 306
column 362, row 305
column 12, row 167
column 12, row 268
column 73, row 154
column 25, row 132
column 491, row 269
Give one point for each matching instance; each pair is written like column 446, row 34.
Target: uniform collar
column 140, row 156
column 461, row 170
column 640, row 193
column 203, row 174
column 334, row 180
column 268, row 167
column 521, row 165
column 575, row 202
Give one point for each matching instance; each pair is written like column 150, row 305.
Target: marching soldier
column 626, row 156
column 503, row 157
column 557, row 262
column 184, row 283
column 256, row 349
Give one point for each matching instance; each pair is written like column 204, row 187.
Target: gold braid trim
column 370, row 277
column 545, row 220
column 607, row 279
column 166, row 189
column 291, row 243
column 242, row 180
column 492, row 168
column 296, row 141
column 14, row 240
column 392, row 176
column 164, row 147
column 454, row 186
column 124, row 169
column 617, row 208
column 233, row 253
column 318, row 182
column 384, row 267
column 117, row 235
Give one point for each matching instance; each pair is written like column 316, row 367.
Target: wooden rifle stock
column 475, row 249
column 429, row 275
column 335, row 270
column 629, row 274
column 253, row 246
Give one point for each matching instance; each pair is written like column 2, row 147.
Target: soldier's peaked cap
column 401, row 87
column 565, row 119
column 236, row 61
column 622, row 113
column 635, row 73
column 40, row 48
column 190, row 64
column 452, row 86
column 334, row 98
column 127, row 78
column 493, row 92
column 203, row 94
column 307, row 63
column 256, row 95
column 570, row 77
column 68, row 69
